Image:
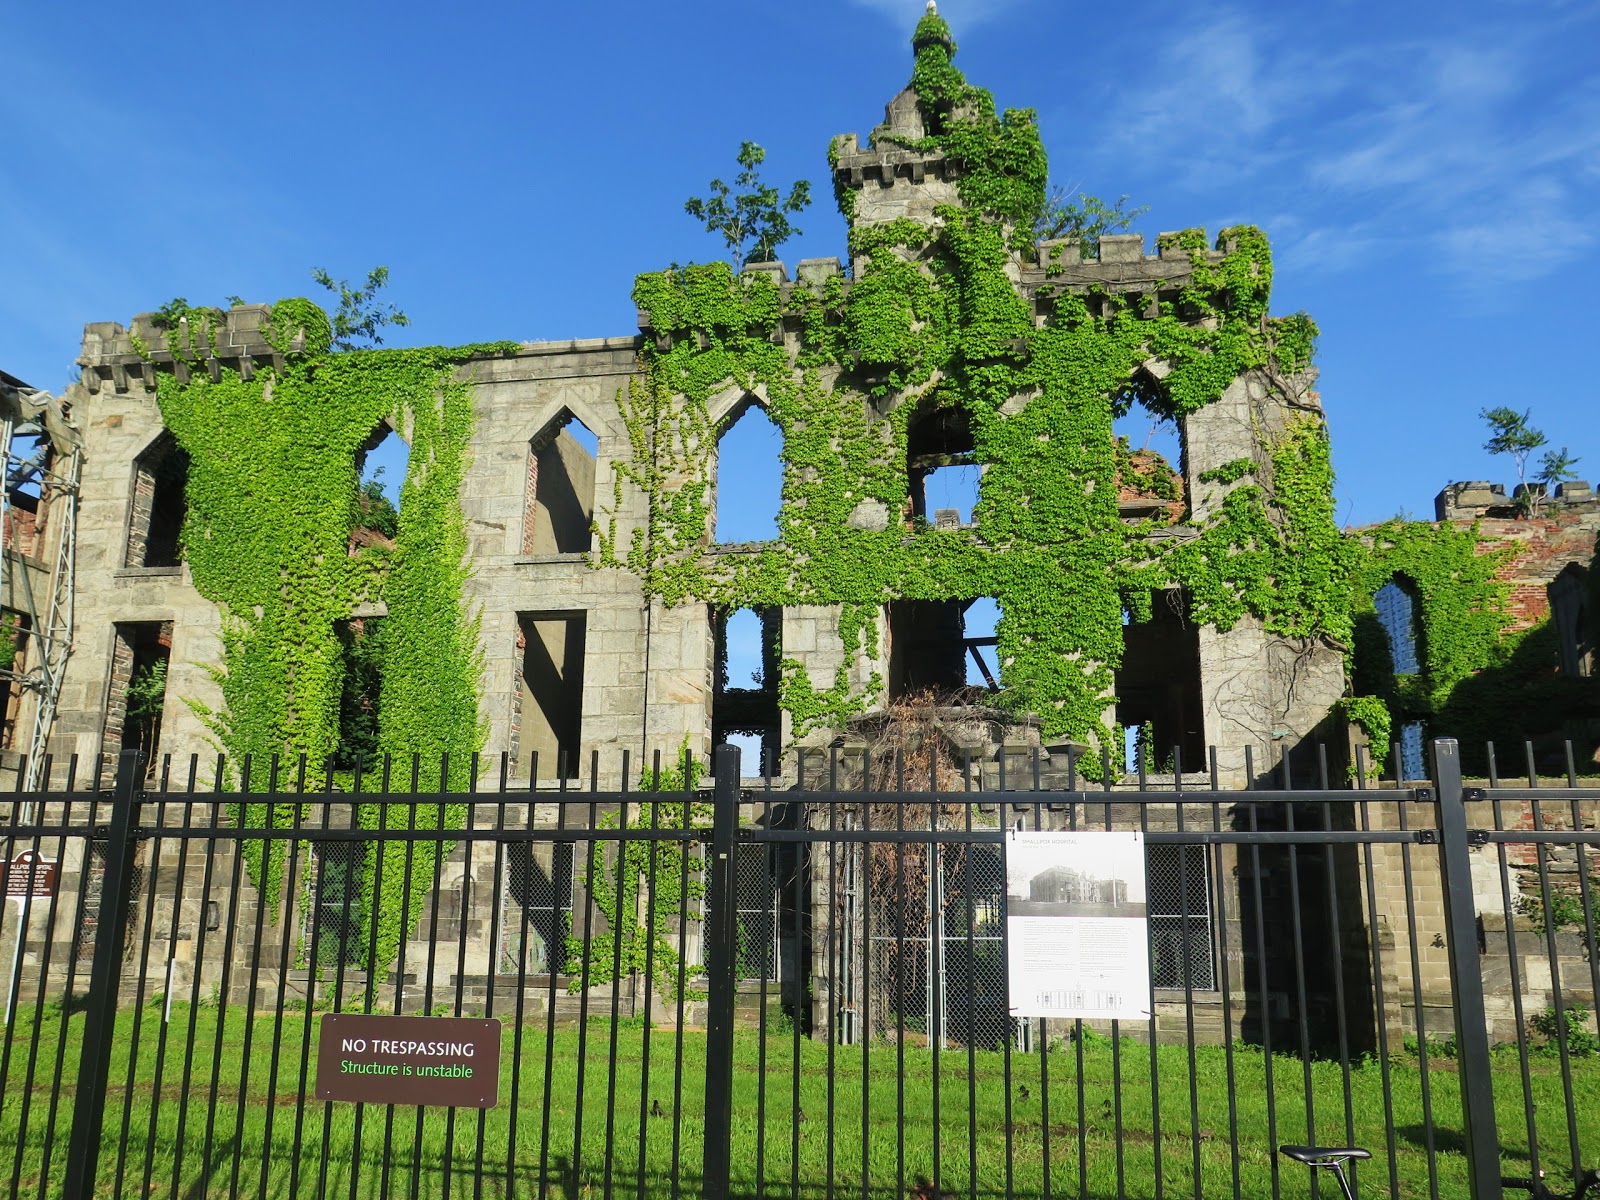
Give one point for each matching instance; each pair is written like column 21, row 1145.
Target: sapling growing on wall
column 756, row 215
column 1513, row 436
column 1555, row 466
column 1088, row 219
column 360, row 315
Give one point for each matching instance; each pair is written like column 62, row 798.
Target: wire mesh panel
column 900, row 928
column 755, row 896
column 94, row 898
column 536, row 909
column 1178, row 898
column 334, row 925
column 935, row 946
column 971, row 891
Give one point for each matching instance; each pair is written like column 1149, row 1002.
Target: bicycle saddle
column 1323, row 1156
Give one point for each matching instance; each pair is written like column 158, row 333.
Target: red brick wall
column 22, row 528
column 1541, row 546
column 144, row 495
column 530, row 504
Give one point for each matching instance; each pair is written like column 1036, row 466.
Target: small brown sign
column 29, row 874
column 446, row 1062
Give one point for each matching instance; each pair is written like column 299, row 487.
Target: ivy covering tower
column 951, row 318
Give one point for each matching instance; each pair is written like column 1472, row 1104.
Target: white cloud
column 1467, row 143
column 1532, row 233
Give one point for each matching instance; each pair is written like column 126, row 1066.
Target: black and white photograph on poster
column 1077, row 937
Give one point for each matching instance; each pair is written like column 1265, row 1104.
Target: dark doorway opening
column 547, row 717
column 1158, row 685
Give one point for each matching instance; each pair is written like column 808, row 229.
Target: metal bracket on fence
column 1477, row 837
column 1426, row 837
column 1425, row 794
column 1474, row 794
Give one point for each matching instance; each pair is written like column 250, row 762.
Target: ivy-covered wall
column 1038, row 352
column 273, row 441
column 1487, row 647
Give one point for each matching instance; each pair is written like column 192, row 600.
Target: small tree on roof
column 1513, row 436
column 755, row 214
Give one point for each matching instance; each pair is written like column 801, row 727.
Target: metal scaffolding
column 43, row 458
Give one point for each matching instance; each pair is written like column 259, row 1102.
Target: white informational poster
column 1077, row 937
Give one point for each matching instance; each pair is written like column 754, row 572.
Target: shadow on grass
column 1444, row 1141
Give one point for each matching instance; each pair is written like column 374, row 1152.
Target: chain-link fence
column 1178, row 883
column 332, row 926
column 933, row 956
column 536, row 906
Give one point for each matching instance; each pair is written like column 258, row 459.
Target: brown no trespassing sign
column 446, row 1062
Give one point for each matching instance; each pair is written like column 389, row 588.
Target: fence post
column 1466, row 976
column 105, row 977
column 722, row 950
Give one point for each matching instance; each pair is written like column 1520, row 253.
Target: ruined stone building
column 1205, row 601
column 580, row 654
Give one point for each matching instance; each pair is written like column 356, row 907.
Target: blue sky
column 1428, row 173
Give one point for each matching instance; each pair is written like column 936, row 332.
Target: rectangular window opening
column 136, row 702
column 744, row 702
column 1158, row 687
column 559, row 504
column 159, row 507
column 944, row 648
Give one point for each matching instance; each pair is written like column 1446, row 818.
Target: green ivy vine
column 272, row 499
column 932, row 321
column 1371, row 715
column 1460, row 613
column 650, row 886
column 1479, row 680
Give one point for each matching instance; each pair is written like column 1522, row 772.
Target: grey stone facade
column 576, row 659
column 630, row 674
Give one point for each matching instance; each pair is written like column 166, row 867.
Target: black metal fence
column 794, row 985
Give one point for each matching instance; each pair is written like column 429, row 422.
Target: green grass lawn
column 234, row 1129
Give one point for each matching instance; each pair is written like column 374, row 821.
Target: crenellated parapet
column 812, row 275
column 1117, row 266
column 1118, row 262
column 136, row 355
column 895, row 175
column 884, row 165
column 242, row 339
column 1473, row 499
